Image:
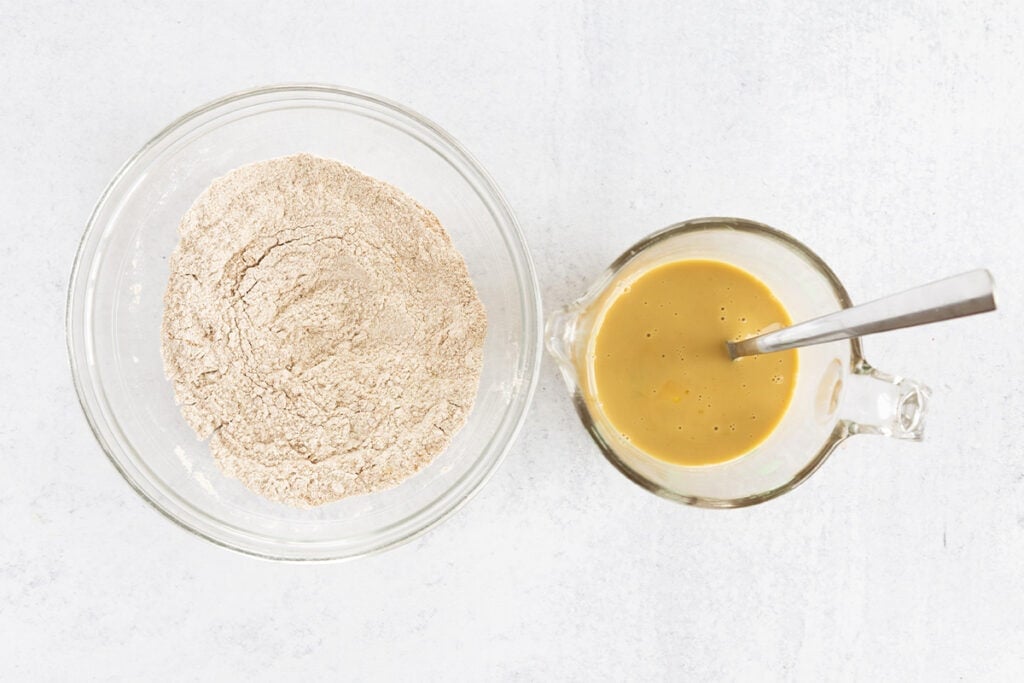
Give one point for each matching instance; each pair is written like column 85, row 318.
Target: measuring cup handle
column 878, row 403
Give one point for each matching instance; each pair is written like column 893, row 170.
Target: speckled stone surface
column 889, row 140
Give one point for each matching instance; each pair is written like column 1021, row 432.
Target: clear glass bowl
column 115, row 308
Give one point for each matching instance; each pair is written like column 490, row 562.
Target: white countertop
column 890, row 141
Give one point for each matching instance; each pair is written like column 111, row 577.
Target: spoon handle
column 953, row 297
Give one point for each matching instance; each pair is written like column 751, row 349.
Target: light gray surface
column 890, row 141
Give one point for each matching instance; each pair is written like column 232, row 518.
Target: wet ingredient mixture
column 663, row 376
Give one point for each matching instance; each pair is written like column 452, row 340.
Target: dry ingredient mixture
column 320, row 328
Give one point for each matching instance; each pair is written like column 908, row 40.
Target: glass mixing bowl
column 115, row 305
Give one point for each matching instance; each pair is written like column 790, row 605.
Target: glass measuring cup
column 837, row 392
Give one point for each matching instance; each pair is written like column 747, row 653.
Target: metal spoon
column 954, row 297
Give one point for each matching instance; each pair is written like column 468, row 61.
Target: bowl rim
column 529, row 362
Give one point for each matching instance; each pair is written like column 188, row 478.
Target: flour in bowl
column 321, row 329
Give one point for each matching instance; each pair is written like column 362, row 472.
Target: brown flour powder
column 320, row 328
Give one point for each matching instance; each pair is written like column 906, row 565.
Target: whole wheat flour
column 320, row 328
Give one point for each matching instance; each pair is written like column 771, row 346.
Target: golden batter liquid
column 663, row 377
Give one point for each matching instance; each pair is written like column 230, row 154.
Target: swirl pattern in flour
column 320, row 328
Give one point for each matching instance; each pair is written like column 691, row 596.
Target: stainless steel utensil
column 954, row 297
